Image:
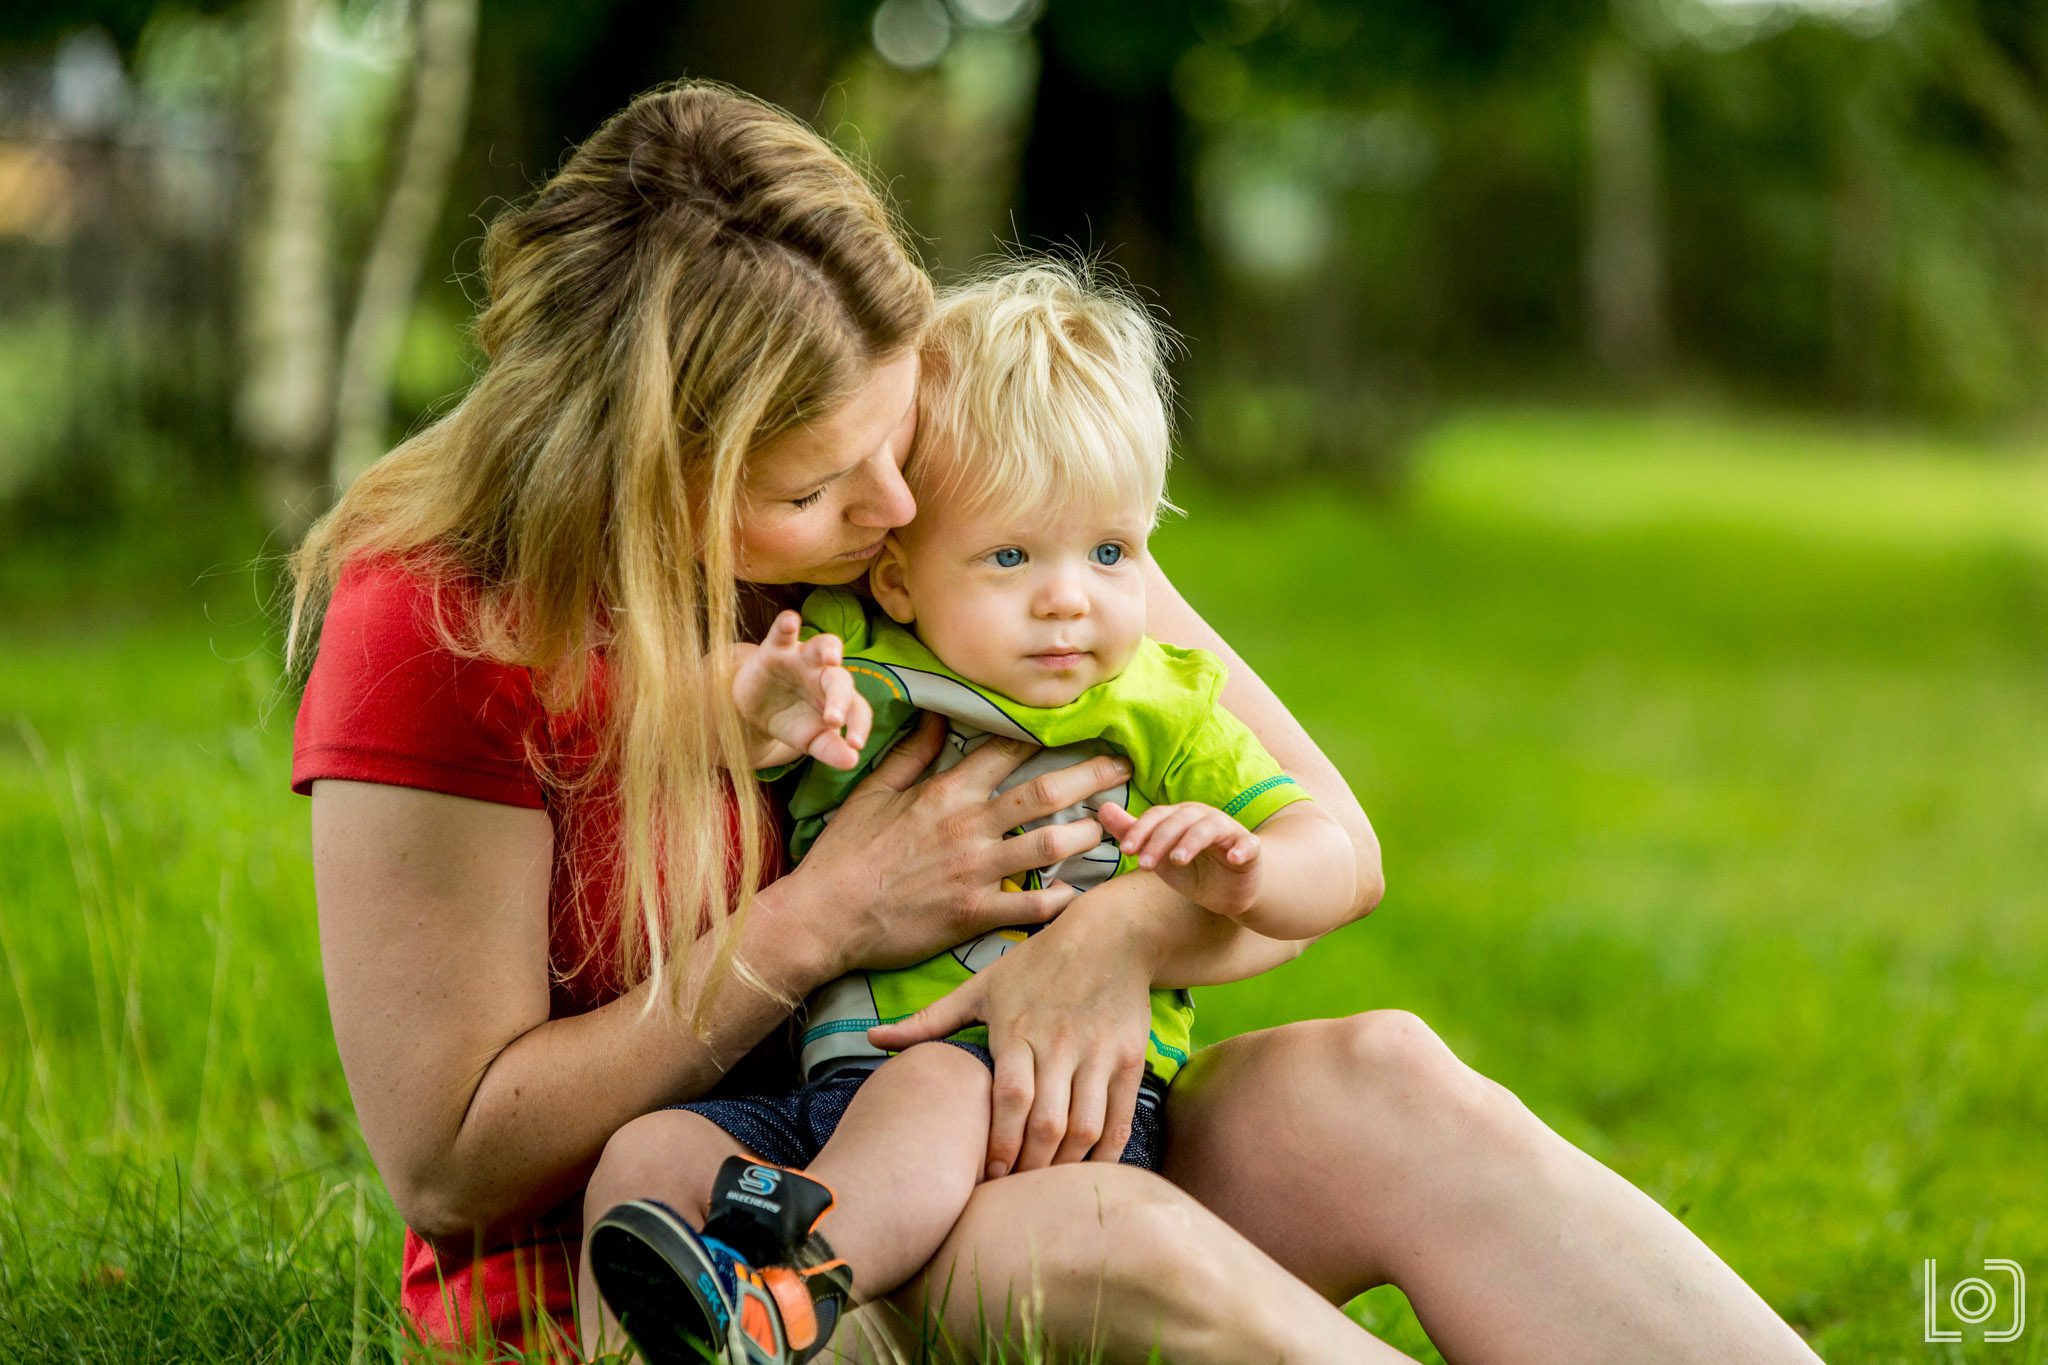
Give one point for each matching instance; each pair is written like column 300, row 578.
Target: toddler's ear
column 889, row 581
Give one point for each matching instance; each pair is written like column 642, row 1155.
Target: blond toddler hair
column 1042, row 386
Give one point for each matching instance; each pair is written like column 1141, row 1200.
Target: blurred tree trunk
column 1104, row 171
column 284, row 407
column 1860, row 284
column 1628, row 321
column 444, row 59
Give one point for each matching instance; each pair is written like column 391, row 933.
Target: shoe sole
column 660, row 1283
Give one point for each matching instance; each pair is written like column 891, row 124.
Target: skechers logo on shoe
column 712, row 1296
column 760, row 1180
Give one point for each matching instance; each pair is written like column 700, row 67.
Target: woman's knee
column 1143, row 1244
column 1397, row 1070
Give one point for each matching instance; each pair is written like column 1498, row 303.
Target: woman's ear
column 889, row 580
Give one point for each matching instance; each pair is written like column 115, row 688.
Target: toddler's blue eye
column 1009, row 557
column 1106, row 553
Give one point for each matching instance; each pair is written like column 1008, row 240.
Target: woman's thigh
column 1105, row 1259
column 1331, row 1143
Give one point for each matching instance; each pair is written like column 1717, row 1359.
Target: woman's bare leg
column 1512, row 1244
column 1094, row 1256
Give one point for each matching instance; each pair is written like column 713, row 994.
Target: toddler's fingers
column 1115, row 820
column 821, row 651
column 832, row 750
column 836, row 695
column 1213, row 829
column 1243, row 848
column 1167, row 835
column 1140, row 833
column 860, row 719
column 783, row 632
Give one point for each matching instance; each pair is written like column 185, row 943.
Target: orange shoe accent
column 793, row 1297
column 755, row 1324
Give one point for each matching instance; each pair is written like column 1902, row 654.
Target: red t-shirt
column 388, row 702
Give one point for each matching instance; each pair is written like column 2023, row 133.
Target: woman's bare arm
column 482, row 1112
column 1254, row 703
column 1186, row 945
column 479, row 1110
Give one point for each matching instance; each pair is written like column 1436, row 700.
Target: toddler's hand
column 1199, row 851
column 800, row 694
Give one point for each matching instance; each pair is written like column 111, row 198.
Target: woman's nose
column 885, row 502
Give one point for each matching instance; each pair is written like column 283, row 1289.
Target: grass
column 1707, row 755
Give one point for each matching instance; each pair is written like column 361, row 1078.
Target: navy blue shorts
column 791, row 1128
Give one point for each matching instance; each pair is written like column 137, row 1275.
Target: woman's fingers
column 1121, row 1110
column 1043, row 795
column 1009, row 1104
column 911, row 756
column 943, row 1018
column 989, row 763
column 1045, row 846
column 1001, row 909
column 1052, row 1092
column 1085, row 1110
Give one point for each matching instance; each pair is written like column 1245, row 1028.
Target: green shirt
column 1163, row 713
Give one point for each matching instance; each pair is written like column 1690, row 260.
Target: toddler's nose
column 1061, row 597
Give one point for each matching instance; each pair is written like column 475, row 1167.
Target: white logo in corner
column 1974, row 1301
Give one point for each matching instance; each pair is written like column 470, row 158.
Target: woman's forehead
column 842, row 438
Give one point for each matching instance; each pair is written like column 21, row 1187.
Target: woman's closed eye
column 807, row 499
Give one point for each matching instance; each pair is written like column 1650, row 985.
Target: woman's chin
column 835, row 572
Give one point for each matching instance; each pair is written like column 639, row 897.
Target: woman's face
column 816, row 502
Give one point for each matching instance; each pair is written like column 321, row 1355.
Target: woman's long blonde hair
column 703, row 274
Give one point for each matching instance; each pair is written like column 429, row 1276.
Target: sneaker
column 758, row 1285
column 684, row 1298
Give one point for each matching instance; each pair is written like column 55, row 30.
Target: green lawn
column 1710, row 758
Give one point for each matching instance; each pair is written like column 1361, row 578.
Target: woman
column 534, row 873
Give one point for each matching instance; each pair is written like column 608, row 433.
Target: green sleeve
column 841, row 612
column 1222, row 764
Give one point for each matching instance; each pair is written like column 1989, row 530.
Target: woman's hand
column 906, row 869
column 1067, row 1011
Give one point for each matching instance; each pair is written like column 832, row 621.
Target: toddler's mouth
column 1059, row 659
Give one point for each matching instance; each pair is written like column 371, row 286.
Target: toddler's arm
column 796, row 698
column 1293, row 879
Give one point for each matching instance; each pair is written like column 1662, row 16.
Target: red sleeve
column 389, row 702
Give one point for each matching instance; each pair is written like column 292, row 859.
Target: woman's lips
column 866, row 551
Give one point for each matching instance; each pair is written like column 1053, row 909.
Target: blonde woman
column 548, row 901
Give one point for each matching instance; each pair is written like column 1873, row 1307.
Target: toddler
column 1014, row 605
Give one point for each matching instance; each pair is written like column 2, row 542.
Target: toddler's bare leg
column 672, row 1156
column 903, row 1162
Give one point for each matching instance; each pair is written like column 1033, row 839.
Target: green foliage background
column 1710, row 785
